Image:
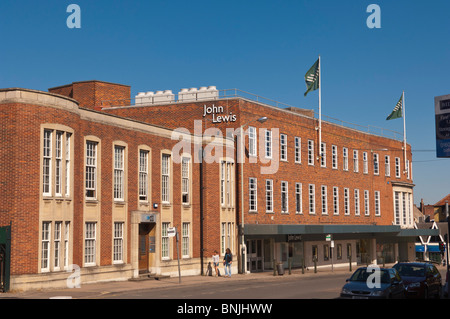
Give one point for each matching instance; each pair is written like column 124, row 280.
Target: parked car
column 422, row 279
column 363, row 285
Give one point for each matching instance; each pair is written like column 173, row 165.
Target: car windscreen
column 410, row 270
column 362, row 275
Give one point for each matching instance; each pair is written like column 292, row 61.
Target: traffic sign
column 171, row 231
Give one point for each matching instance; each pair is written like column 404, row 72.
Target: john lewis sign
column 442, row 116
column 218, row 114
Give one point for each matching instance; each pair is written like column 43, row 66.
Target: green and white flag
column 397, row 112
column 312, row 77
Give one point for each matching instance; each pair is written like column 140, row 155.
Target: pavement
column 101, row 290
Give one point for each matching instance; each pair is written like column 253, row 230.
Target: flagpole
column 320, row 110
column 404, row 130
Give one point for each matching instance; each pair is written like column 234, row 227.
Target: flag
column 397, row 112
column 312, row 78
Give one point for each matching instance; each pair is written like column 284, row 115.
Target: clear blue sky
column 264, row 47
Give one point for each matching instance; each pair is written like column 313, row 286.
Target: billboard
column 442, row 115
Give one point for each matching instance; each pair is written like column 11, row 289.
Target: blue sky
column 264, row 47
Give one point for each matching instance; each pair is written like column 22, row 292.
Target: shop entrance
column 146, row 246
column 255, row 256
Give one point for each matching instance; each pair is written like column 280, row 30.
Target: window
column 89, row 244
column 334, row 155
column 268, row 142
column 252, row 146
column 397, row 167
column 324, row 200
column 269, row 195
column 229, row 184
column 164, row 241
column 47, row 164
column 227, row 235
column 407, row 170
column 57, row 245
column 283, row 147
column 118, row 243
column 119, row 170
column 357, row 212
column 143, row 175
column 45, row 247
column 355, row 162
column 310, row 152
column 335, row 200
column 326, row 252
column 284, row 197
column 387, row 166
column 404, row 207
column 185, row 240
column 252, row 196
column 67, row 158
column 66, row 244
column 222, row 182
column 345, row 158
column 323, row 155
column 376, row 164
column 315, row 253
column 91, row 169
column 226, row 185
column 298, row 150
column 366, row 203
column 365, row 163
column 185, row 182
column 346, row 201
column 298, row 198
column 58, row 163
column 339, row 251
column 223, row 238
column 165, row 174
column 397, row 207
column 312, row 199
column 377, row 203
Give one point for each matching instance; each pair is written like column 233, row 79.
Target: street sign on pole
column 171, row 231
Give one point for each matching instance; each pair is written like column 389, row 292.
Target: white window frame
column 252, row 194
column 345, row 158
column 269, row 196
column 397, row 167
column 334, row 157
column 346, row 201
column 283, row 147
column 57, row 246
column 185, row 180
column 58, row 163
column 298, row 150
column 165, row 242
column 298, row 198
column 311, row 152
column 143, row 175
column 66, row 244
column 377, row 204
column 252, row 141
column 118, row 243
column 284, row 197
column 323, row 154
column 47, row 163
column 376, row 164
column 366, row 203
column 91, row 169
column 324, row 199
column 90, row 243
column 335, row 200
column 67, row 167
column 165, row 178
column 365, row 163
column 185, row 240
column 355, row 161
column 357, row 203
column 268, row 144
column 119, row 173
column 45, row 246
column 387, row 165
column 312, row 199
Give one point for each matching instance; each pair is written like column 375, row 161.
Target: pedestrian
column 227, row 261
column 215, row 260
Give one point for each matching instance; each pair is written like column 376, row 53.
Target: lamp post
column 241, row 137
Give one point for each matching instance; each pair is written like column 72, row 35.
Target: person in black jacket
column 227, row 260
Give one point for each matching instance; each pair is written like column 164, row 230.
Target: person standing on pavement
column 227, row 261
column 215, row 260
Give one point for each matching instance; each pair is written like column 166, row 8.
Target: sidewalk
column 93, row 290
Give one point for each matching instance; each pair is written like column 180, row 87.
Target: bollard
column 274, row 267
column 303, row 266
column 315, row 265
column 290, row 264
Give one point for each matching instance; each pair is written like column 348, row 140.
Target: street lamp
column 241, row 133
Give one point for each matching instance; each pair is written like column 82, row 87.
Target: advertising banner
column 442, row 114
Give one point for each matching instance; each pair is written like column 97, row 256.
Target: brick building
column 90, row 177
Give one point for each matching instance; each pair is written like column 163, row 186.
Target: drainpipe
column 201, row 209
